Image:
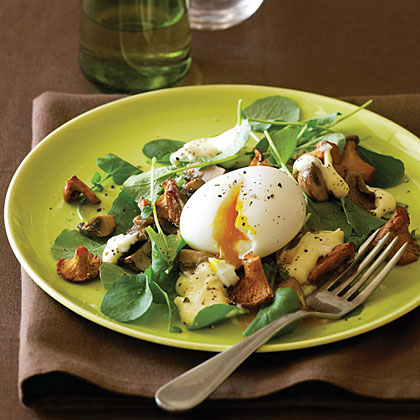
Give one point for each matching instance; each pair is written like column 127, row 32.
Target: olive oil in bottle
column 134, row 45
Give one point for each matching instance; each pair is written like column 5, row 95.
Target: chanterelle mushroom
column 252, row 289
column 169, row 206
column 74, row 187
column 398, row 226
column 98, row 227
column 351, row 161
column 83, row 266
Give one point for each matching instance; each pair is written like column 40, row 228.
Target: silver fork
column 334, row 299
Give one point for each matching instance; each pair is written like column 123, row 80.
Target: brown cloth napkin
column 66, row 361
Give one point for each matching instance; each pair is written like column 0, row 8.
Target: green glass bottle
column 132, row 46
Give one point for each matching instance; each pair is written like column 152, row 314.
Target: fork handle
column 194, row 386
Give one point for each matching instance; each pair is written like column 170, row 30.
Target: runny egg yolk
column 225, row 233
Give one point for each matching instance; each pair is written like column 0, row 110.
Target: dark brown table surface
column 352, row 47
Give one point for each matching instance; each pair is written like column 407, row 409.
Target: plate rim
column 123, row 328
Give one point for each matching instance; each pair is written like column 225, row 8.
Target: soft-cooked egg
column 258, row 209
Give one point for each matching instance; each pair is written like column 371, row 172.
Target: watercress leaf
column 309, row 145
column 128, row 298
column 362, row 222
column 70, row 239
column 138, row 186
column 179, row 245
column 263, row 145
column 229, row 143
column 159, row 267
column 285, row 302
column 116, row 167
column 307, row 139
column 146, row 212
column 242, row 160
column 270, row 273
column 161, row 149
column 327, row 215
column 167, row 279
column 99, row 187
column 161, row 243
column 162, row 298
column 355, row 222
column 389, row 170
column 164, row 270
column 234, row 139
column 357, row 238
column 325, row 119
column 337, row 138
column 96, row 178
column 124, row 209
column 167, row 245
column 285, row 141
column 214, row 314
column 277, row 108
column 159, row 295
column 108, row 272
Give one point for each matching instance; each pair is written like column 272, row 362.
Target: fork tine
column 362, row 249
column 359, row 283
column 372, row 254
column 365, row 245
column 380, row 277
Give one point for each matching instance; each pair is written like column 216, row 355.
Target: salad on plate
column 247, row 223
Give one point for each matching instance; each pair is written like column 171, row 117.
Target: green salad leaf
column 160, row 297
column 138, row 186
column 237, row 139
column 362, row 222
column 233, row 140
column 285, row 302
column 117, row 168
column 336, row 138
column 230, row 143
column 108, row 272
column 168, row 246
column 356, row 223
column 276, row 108
column 128, row 298
column 161, row 149
column 285, row 141
column 307, row 146
column 96, row 181
column 214, row 314
column 162, row 273
column 327, row 215
column 389, row 170
column 323, row 120
column 70, row 239
column 124, row 209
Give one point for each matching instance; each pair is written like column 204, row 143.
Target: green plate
column 35, row 212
